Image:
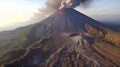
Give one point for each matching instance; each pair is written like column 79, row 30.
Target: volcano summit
column 67, row 38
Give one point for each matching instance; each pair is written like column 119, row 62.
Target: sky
column 103, row 7
column 16, row 13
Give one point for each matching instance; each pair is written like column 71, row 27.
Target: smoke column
column 53, row 5
column 73, row 3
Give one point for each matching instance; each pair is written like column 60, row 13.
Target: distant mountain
column 65, row 39
column 109, row 19
column 115, row 27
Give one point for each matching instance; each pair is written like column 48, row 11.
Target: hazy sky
column 104, row 7
column 14, row 13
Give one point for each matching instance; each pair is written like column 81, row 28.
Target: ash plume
column 73, row 3
column 52, row 5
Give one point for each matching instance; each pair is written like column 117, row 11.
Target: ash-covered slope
column 68, row 37
column 69, row 20
column 92, row 48
column 81, row 51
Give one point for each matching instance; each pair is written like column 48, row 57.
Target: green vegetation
column 15, row 39
column 12, row 44
column 12, row 55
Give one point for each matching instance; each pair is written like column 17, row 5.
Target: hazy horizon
column 59, row 33
column 14, row 14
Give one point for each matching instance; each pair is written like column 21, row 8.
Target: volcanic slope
column 68, row 39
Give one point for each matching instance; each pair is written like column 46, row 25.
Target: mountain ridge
column 42, row 40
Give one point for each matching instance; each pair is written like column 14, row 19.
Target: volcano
column 67, row 38
column 69, row 20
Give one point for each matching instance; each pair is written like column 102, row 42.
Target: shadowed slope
column 68, row 20
column 68, row 33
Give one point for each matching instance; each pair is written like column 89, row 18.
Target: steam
column 73, row 3
column 53, row 5
column 50, row 7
